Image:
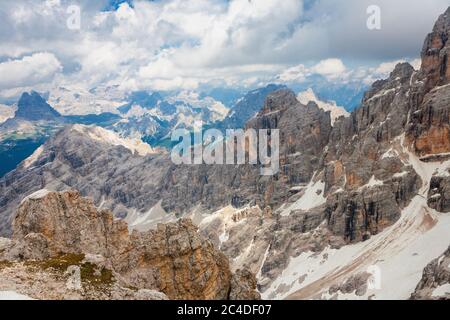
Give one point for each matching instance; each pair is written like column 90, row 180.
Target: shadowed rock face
column 439, row 194
column 173, row 259
column 33, row 107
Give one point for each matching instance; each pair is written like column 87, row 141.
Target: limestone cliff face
column 429, row 127
column 183, row 265
column 435, row 52
column 67, row 223
column 174, row 259
column 368, row 175
column 366, row 178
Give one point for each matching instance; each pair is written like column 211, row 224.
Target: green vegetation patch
column 90, row 273
column 5, row 264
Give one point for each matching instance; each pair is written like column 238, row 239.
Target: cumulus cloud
column 330, row 68
column 294, row 74
column 382, row 71
column 28, row 71
column 184, row 44
column 334, row 70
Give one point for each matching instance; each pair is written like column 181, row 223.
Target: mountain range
column 360, row 196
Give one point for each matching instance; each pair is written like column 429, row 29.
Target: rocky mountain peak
column 402, row 70
column 435, row 52
column 443, row 22
column 33, row 107
column 246, row 107
column 280, row 100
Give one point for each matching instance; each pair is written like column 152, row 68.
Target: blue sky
column 178, row 44
column 114, row 4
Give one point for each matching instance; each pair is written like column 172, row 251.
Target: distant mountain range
column 149, row 116
column 31, row 123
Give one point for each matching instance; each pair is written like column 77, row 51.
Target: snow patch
column 37, row 195
column 150, row 219
column 312, row 198
column 441, row 290
column 228, row 218
column 12, row 295
column 266, row 254
column 336, row 111
column 443, row 170
column 424, row 169
column 136, row 146
column 373, row 182
column 33, row 158
column 400, row 174
column 383, row 93
column 391, row 153
column 224, row 236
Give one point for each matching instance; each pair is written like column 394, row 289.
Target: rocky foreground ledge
column 64, row 248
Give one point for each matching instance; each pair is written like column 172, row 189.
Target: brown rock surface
column 173, row 259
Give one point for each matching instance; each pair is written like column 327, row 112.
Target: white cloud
column 334, row 70
column 416, row 63
column 165, row 44
column 382, row 71
column 386, row 67
column 294, row 74
column 330, row 68
column 28, row 71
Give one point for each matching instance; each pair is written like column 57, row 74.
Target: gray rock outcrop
column 436, row 275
